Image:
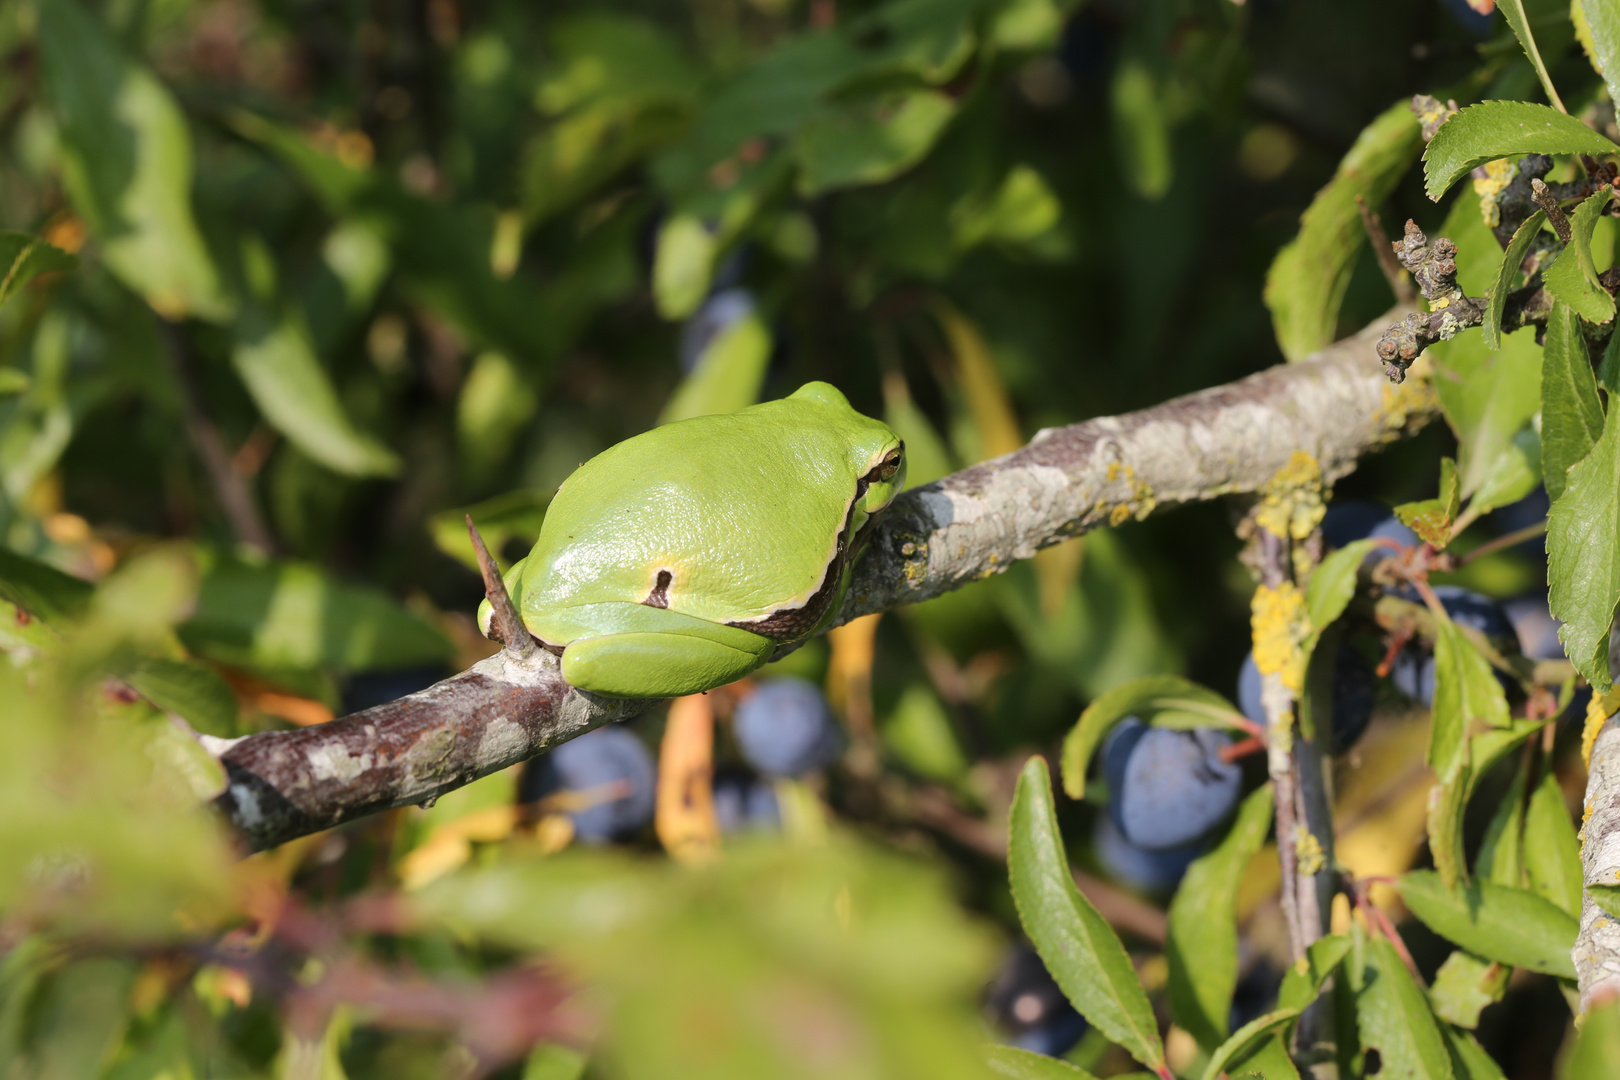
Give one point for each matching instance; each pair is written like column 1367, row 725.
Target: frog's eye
column 885, row 469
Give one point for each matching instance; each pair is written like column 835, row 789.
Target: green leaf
column 1571, row 414
column 1246, row 1039
column 1306, row 283
column 292, row 390
column 1464, row 985
column 1488, row 397
column 1394, row 1017
column 1501, row 852
column 40, row 589
column 869, row 140
column 1572, row 275
column 1432, row 518
column 13, row 381
column 1333, row 583
column 1513, row 11
column 1202, row 946
column 1515, row 473
column 1142, row 128
column 126, row 164
column 514, row 516
column 1466, row 692
column 1552, row 853
column 1507, row 274
column 729, row 375
column 1512, row 926
column 1305, row 977
column 1010, row 1061
column 551, row 1061
column 1583, row 557
column 1597, row 1046
column 1496, row 129
column 1606, row 897
column 25, row 258
column 1469, row 1061
column 292, row 615
column 1270, row 1061
column 497, row 402
column 1448, row 800
column 682, row 265
column 1602, row 40
column 190, row 690
column 1160, row 700
column 1077, row 945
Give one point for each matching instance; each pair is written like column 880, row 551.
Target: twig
column 230, row 487
column 1506, row 540
column 935, row 538
column 505, row 620
column 1555, row 214
column 1400, row 282
column 1597, row 945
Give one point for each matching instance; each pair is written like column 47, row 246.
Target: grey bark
column 1335, row 406
column 1597, row 946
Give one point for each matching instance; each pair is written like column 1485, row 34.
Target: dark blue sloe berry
column 1413, row 669
column 1167, row 788
column 1154, row 872
column 743, row 802
column 785, row 728
column 1029, row 1009
column 610, row 768
column 1349, row 520
column 1355, row 692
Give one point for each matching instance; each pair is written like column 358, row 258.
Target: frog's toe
column 654, row 665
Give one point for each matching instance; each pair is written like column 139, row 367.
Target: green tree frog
column 682, row 559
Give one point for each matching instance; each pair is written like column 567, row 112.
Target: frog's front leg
column 666, row 655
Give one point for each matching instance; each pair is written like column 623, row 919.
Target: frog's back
column 711, row 517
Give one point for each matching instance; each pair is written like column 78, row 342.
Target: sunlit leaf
column 1333, row 583
column 1488, row 397
column 24, row 258
column 1583, row 557
column 1597, row 1046
column 1202, row 947
column 41, row 589
column 869, row 140
column 1161, row 700
column 1552, row 853
column 1078, row 946
column 1602, row 41
column 1495, row 129
column 1305, row 977
column 1394, row 1017
column 188, row 689
column 729, row 375
column 1513, row 926
column 1016, row 1064
column 1432, row 518
column 1228, row 1057
column 1572, row 275
column 1466, row 692
column 1514, row 11
column 1464, row 985
column 1512, row 260
column 1469, row 1061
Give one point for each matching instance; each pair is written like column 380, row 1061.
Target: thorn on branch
column 505, row 622
column 1555, row 214
column 1399, row 281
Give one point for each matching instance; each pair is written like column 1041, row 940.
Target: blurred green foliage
column 294, row 285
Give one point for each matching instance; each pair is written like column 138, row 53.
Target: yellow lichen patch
column 1598, row 710
column 1308, row 850
column 1119, row 515
column 1291, row 503
column 1498, row 174
column 1280, row 624
column 1402, row 400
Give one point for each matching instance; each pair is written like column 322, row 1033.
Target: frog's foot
column 655, row 653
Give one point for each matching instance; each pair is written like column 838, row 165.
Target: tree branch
column 1597, row 945
column 1335, row 406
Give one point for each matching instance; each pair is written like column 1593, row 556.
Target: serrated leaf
column 1270, row 1061
column 1305, row 977
column 1597, row 1046
column 1306, row 282
column 1394, row 1018
column 1333, row 583
column 1495, row 129
column 1572, row 275
column 1159, row 700
column 1571, row 414
column 1515, row 473
column 1513, row 11
column 1512, row 260
column 1202, row 946
column 1552, row 853
column 127, row 163
column 1019, row 1064
column 1583, row 557
column 26, row 257
column 1246, row 1039
column 1487, row 397
column 1431, row 519
column 1513, row 926
column 1501, row 852
column 1469, row 1061
column 1077, row 945
column 276, row 362
column 1444, row 821
column 1464, row 985
column 1602, row 41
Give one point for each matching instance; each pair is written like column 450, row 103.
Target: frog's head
column 876, row 454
